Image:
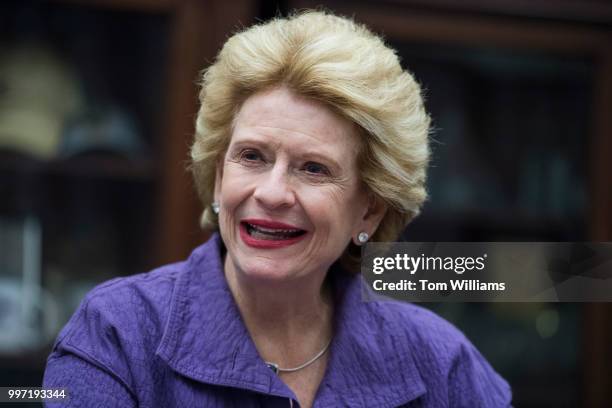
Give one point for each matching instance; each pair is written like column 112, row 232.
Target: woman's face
column 288, row 188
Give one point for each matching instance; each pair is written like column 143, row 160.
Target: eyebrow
column 307, row 154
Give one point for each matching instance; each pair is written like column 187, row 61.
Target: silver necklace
column 278, row 369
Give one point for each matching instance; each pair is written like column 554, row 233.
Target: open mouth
column 271, row 234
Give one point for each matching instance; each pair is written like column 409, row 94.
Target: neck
column 289, row 322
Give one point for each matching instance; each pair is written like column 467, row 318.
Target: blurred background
column 97, row 103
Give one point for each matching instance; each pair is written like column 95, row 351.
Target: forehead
column 284, row 117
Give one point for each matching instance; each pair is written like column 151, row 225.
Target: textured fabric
column 174, row 337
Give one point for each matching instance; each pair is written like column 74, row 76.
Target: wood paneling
column 199, row 30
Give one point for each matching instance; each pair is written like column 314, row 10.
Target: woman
column 310, row 141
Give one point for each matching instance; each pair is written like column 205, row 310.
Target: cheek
column 235, row 187
column 333, row 208
column 234, row 191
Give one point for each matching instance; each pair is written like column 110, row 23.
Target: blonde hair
column 343, row 64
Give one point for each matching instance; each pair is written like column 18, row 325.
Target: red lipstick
column 291, row 236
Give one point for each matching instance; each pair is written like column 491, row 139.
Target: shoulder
column 434, row 343
column 144, row 290
column 120, row 322
column 134, row 309
column 141, row 299
column 446, row 359
column 420, row 326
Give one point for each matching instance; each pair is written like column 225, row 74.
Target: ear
column 372, row 217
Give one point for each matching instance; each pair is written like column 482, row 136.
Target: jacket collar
column 206, row 340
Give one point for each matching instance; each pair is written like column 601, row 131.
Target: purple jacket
column 174, row 337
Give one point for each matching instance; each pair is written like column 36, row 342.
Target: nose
column 274, row 190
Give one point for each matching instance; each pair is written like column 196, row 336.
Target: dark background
column 520, row 93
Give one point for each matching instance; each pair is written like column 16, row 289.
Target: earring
column 363, row 237
column 215, row 207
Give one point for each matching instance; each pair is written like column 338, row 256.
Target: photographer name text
column 422, row 263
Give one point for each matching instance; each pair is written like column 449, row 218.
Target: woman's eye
column 316, row 168
column 251, row 156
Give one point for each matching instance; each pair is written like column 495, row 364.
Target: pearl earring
column 363, row 237
column 215, row 207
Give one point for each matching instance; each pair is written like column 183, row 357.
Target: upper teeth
column 273, row 230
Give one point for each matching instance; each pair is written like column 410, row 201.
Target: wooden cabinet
column 102, row 210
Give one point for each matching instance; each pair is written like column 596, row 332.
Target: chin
column 268, row 272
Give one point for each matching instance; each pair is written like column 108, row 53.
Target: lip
column 270, row 224
column 264, row 243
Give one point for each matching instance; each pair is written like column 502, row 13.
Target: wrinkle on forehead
column 282, row 110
